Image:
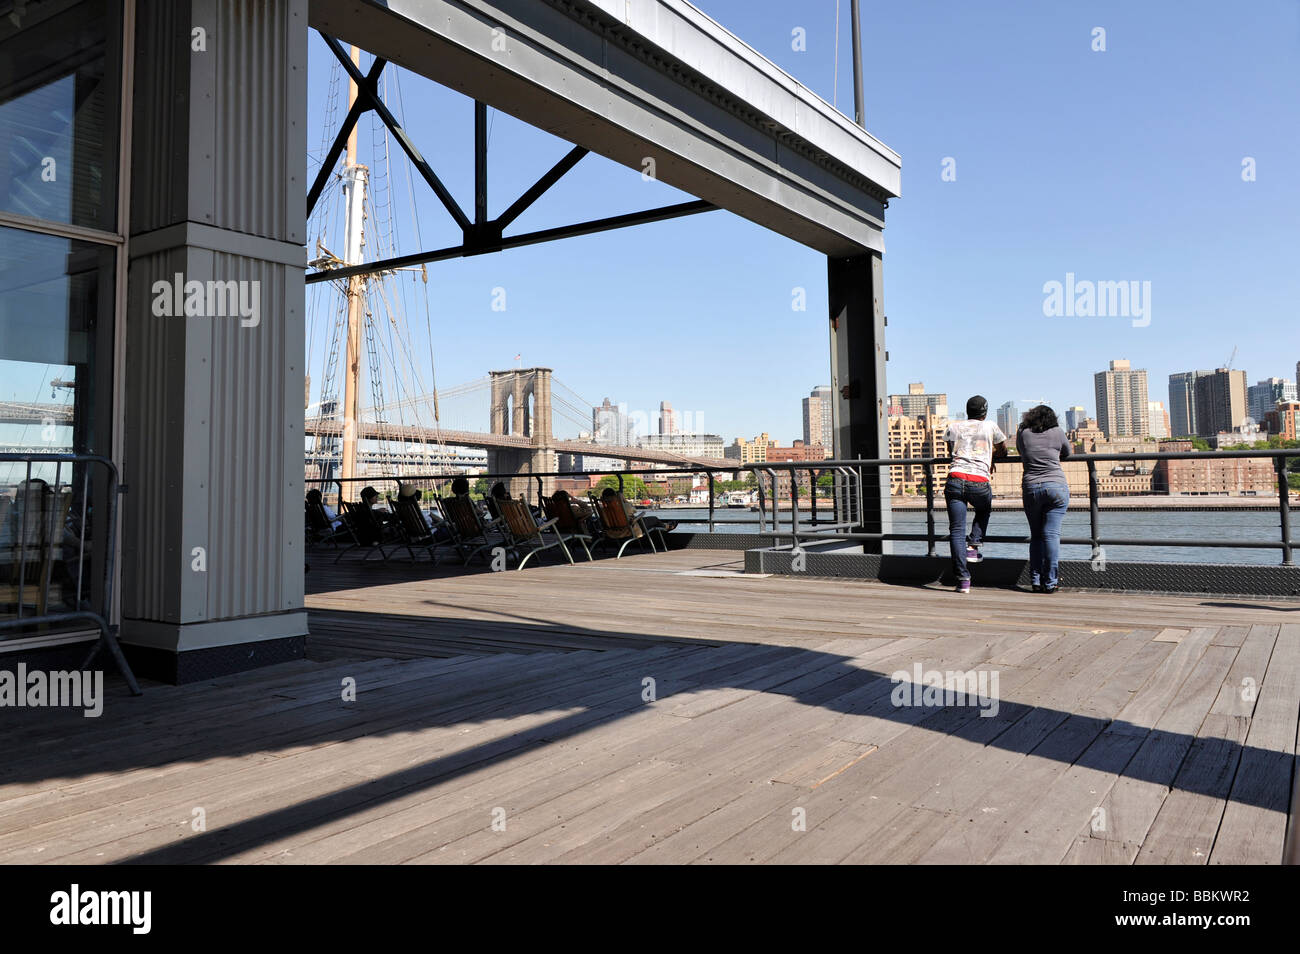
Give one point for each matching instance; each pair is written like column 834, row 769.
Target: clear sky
column 1122, row 165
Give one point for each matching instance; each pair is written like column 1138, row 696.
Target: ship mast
column 354, row 188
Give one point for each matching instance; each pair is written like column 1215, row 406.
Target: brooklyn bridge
column 521, row 439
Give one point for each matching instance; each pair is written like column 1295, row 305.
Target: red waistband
column 973, row 477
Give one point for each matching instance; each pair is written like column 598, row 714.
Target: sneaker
column 963, row 586
column 973, row 555
column 1050, row 589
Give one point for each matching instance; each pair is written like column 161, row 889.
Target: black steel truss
column 481, row 235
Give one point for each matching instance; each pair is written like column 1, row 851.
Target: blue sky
column 1115, row 166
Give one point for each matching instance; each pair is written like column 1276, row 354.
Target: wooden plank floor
column 668, row 709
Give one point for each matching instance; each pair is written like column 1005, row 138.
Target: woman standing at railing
column 1042, row 446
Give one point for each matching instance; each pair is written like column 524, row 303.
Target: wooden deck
column 505, row 717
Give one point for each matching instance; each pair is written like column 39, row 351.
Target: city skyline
column 1167, row 428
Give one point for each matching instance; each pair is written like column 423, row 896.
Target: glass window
column 56, row 359
column 59, row 92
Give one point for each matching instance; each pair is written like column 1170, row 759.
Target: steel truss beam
column 517, row 241
column 482, row 235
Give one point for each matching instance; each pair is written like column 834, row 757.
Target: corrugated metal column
column 213, row 561
column 858, row 398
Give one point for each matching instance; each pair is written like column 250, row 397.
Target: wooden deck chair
column 568, row 523
column 525, row 533
column 414, row 530
column 617, row 524
column 494, row 518
column 366, row 530
column 320, row 528
column 470, row 536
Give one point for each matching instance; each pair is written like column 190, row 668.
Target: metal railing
column 46, row 525
column 1094, row 539
column 849, row 516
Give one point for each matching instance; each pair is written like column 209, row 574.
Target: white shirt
column 972, row 446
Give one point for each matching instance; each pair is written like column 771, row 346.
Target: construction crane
column 1231, row 358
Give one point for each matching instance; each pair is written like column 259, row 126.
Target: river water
column 1211, row 525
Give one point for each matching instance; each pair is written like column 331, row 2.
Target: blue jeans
column 1045, row 506
column 959, row 494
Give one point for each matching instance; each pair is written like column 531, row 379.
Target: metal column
column 858, row 399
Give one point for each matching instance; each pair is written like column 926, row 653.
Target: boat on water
column 737, row 499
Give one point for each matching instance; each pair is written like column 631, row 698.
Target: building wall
column 1214, row 475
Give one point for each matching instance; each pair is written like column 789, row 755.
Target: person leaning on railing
column 1042, row 446
column 975, row 442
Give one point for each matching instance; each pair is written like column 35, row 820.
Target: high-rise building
column 1263, row 397
column 667, row 419
column 1075, row 416
column 1122, row 400
column 1220, row 402
column 817, row 425
column 609, row 424
column 1008, row 417
column 916, row 402
column 1157, row 420
column 1182, row 403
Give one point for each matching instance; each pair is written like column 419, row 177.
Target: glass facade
column 60, row 91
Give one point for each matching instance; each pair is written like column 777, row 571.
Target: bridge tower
column 513, row 392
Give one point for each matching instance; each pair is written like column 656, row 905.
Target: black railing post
column 794, row 507
column 813, row 477
column 1284, row 508
column 710, row 475
column 837, row 480
column 539, row 495
column 1094, row 513
column 776, row 501
column 929, row 509
column 620, row 482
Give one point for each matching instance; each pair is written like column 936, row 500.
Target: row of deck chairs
column 508, row 529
